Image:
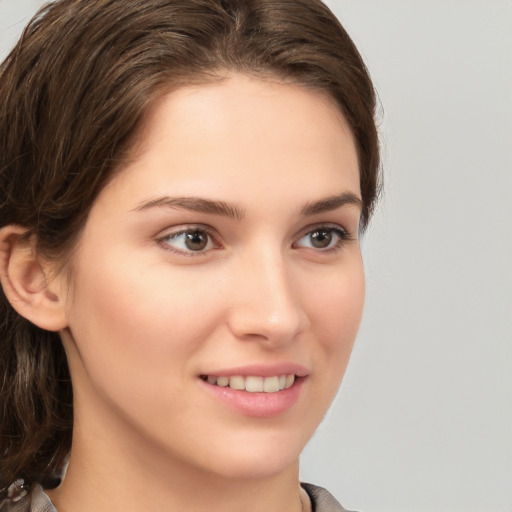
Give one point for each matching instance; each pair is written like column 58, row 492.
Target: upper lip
column 261, row 370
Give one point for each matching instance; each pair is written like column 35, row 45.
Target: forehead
column 239, row 105
column 244, row 133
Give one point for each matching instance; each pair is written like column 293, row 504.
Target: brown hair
column 73, row 94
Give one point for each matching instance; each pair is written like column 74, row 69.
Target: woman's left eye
column 323, row 238
column 189, row 241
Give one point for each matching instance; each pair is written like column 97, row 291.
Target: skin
column 145, row 316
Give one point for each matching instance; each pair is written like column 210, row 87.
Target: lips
column 252, row 383
column 261, row 391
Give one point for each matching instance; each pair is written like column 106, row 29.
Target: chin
column 255, row 466
column 260, row 454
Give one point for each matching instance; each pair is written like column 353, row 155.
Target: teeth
column 254, row 384
column 237, row 382
column 271, row 385
column 222, row 381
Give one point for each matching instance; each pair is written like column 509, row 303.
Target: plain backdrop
column 423, row 421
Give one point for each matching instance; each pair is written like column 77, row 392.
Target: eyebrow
column 233, row 211
column 331, row 203
column 196, row 204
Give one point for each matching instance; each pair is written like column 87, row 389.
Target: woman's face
column 223, row 261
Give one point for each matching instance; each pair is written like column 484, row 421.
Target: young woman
column 183, row 184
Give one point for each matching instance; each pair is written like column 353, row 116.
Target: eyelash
column 163, row 241
column 342, row 234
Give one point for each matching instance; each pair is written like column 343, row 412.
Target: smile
column 252, row 384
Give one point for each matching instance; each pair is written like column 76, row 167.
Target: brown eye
column 189, row 241
column 196, row 240
column 321, row 238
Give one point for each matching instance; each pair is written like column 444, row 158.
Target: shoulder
column 35, row 500
column 322, row 500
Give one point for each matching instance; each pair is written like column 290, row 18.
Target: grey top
column 38, row 501
column 322, row 500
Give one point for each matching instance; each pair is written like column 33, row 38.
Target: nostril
column 266, row 307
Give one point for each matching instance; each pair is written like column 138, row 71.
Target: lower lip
column 259, row 405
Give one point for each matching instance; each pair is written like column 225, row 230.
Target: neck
column 115, row 472
column 86, row 489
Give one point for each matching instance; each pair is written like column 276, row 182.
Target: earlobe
column 25, row 281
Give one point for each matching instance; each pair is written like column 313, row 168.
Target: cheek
column 138, row 319
column 336, row 308
column 336, row 311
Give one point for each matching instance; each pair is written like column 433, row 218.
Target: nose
column 267, row 302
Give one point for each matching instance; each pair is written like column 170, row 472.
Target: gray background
column 424, row 418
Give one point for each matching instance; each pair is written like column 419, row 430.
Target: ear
column 25, row 280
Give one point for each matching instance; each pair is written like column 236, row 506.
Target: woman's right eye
column 189, row 241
